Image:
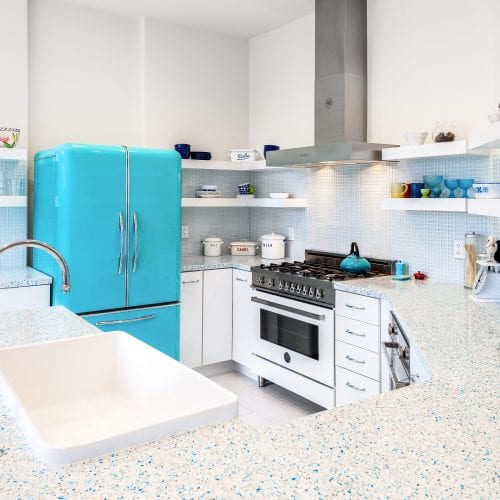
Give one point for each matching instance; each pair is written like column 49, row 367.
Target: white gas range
column 295, row 345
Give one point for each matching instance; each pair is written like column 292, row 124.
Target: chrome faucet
column 65, row 287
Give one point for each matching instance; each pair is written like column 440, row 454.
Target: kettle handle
column 354, row 249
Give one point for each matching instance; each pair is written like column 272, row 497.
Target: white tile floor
column 265, row 406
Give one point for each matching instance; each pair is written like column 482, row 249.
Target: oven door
column 296, row 336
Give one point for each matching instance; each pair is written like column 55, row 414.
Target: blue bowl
column 184, row 150
column 465, row 185
column 201, row 155
column 432, row 181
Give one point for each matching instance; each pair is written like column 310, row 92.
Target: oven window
column 290, row 333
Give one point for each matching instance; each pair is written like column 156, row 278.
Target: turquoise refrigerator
column 115, row 215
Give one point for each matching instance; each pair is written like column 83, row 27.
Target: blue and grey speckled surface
column 27, row 276
column 437, row 439
column 243, row 262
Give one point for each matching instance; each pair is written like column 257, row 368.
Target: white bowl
column 209, row 187
column 415, row 138
column 280, row 196
column 483, row 190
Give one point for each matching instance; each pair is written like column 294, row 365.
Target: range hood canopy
column 340, row 128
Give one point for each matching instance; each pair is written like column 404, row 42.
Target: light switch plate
column 185, row 232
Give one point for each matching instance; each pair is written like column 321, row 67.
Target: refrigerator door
column 156, row 326
column 155, row 226
column 80, row 209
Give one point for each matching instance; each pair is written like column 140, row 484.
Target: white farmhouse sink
column 81, row 397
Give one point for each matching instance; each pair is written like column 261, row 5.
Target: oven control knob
column 262, row 280
column 287, row 285
column 270, row 282
column 280, row 285
column 305, row 290
column 292, row 287
column 287, row 358
column 319, row 293
column 299, row 288
column 311, row 292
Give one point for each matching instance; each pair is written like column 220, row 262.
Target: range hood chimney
column 340, row 91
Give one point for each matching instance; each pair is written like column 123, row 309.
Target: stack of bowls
column 184, row 150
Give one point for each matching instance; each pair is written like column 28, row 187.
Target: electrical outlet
column 291, row 234
column 458, row 249
column 185, row 232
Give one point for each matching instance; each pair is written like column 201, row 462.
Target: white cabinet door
column 191, row 318
column 358, row 307
column 26, row 297
column 217, row 315
column 245, row 318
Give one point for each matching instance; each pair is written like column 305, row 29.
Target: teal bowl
column 432, row 181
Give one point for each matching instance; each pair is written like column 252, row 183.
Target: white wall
column 195, row 89
column 282, row 86
column 430, row 61
column 84, row 83
column 14, row 67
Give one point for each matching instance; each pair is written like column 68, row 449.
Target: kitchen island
column 437, row 438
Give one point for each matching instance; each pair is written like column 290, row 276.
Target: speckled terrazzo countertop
column 26, row 276
column 437, row 438
column 243, row 262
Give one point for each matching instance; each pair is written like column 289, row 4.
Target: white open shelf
column 426, row 204
column 487, row 140
column 13, row 201
column 425, row 150
column 240, row 166
column 245, row 202
column 485, row 207
column 13, row 154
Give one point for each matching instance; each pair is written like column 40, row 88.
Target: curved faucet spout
column 65, row 287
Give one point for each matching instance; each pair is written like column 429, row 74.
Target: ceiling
column 239, row 18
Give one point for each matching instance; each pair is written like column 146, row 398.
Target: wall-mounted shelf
column 13, row 154
column 487, row 140
column 425, row 150
column 245, row 202
column 13, row 201
column 485, row 207
column 242, row 166
column 426, row 204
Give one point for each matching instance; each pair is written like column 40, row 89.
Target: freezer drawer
column 156, row 326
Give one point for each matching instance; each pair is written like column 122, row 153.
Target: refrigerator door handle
column 131, row 320
column 120, row 227
column 136, row 242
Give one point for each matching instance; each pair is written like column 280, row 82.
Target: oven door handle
column 307, row 314
column 397, row 384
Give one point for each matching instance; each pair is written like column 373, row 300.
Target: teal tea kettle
column 353, row 263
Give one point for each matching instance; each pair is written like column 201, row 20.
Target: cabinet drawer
column 352, row 305
column 350, row 387
column 358, row 360
column 357, row 333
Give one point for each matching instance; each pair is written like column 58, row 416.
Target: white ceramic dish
column 485, row 190
column 208, row 194
column 415, row 138
column 279, row 196
column 82, row 397
column 242, row 154
column 243, row 247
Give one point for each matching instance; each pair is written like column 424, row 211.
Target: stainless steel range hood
column 340, row 91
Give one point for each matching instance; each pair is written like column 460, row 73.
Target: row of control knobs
column 293, row 288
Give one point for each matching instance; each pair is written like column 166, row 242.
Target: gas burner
column 312, row 280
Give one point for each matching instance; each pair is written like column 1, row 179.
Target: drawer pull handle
column 190, row 282
column 354, row 387
column 242, row 280
column 350, row 306
column 361, row 362
column 130, row 320
column 350, row 332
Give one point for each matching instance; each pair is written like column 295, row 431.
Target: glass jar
column 444, row 132
column 471, row 249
